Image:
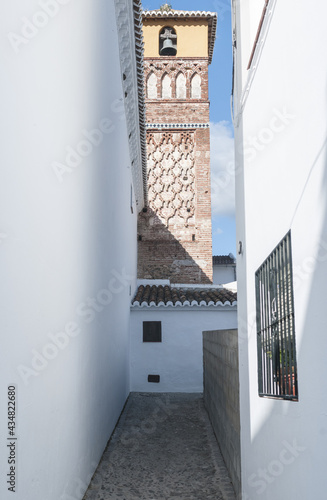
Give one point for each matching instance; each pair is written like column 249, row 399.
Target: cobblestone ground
column 163, row 448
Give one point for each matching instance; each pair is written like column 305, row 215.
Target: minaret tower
column 174, row 230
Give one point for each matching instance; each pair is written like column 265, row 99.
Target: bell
column 168, row 48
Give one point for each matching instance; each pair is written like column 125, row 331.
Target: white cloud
column 222, row 168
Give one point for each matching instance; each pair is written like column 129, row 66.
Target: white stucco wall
column 281, row 185
column 223, row 274
column 178, row 359
column 250, row 14
column 63, row 243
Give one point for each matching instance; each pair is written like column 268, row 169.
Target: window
column 277, row 372
column 151, row 331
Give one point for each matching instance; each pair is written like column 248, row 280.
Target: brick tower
column 174, row 230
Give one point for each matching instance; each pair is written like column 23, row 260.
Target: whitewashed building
column 167, row 322
column 71, row 186
column 280, row 118
column 73, row 179
column 223, row 269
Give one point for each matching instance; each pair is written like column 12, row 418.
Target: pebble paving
column 163, row 448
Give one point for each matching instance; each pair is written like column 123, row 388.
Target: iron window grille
column 277, row 371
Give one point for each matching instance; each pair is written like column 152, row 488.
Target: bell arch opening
column 167, row 41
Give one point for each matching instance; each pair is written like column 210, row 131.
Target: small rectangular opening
column 151, row 331
column 154, row 378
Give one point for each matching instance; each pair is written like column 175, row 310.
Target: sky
column 221, row 129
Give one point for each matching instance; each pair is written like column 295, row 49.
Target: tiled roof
column 165, row 295
column 139, row 52
column 222, row 259
column 195, row 14
column 130, row 34
column 178, row 13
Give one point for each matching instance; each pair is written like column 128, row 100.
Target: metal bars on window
column 275, row 324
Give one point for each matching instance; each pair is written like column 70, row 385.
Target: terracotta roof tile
column 156, row 294
column 178, row 13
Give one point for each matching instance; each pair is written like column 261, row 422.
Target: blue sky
column 222, row 148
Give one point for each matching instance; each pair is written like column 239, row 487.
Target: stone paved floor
column 163, row 448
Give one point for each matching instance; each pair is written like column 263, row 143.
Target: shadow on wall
column 111, row 250
column 162, row 256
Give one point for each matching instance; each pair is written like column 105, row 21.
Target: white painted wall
column 249, row 12
column 223, row 274
column 281, row 185
column 178, row 359
column 62, row 243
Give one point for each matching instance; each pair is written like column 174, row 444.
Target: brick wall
column 174, row 233
column 174, row 111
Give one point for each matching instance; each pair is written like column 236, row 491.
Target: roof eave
column 130, row 34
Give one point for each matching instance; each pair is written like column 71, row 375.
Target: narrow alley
column 162, row 448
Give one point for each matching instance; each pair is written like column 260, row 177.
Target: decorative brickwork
column 171, row 177
column 174, row 232
column 158, row 69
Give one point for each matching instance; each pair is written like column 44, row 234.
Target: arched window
column 181, row 86
column 166, row 87
column 152, row 86
column 167, row 42
column 196, row 87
